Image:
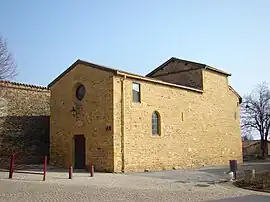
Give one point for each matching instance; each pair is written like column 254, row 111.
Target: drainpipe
column 123, row 123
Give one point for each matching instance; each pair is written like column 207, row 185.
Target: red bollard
column 70, row 172
column 92, row 171
column 45, row 168
column 11, row 167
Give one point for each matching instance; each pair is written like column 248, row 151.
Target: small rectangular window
column 136, row 92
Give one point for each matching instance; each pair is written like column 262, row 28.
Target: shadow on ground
column 250, row 198
column 210, row 175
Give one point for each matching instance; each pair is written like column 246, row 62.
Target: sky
column 46, row 37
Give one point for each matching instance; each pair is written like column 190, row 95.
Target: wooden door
column 79, row 151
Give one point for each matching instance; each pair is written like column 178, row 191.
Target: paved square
column 114, row 187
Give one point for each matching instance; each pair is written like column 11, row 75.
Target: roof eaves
column 100, row 67
column 234, row 91
column 148, row 79
column 217, row 70
column 63, row 73
column 192, row 62
column 161, row 66
column 172, row 59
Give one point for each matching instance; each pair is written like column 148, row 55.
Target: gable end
column 174, row 59
column 100, row 67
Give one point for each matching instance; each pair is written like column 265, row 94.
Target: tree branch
column 7, row 63
column 255, row 111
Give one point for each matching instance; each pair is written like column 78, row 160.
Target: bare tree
column 7, row 63
column 255, row 114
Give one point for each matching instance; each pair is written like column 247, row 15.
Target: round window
column 80, row 92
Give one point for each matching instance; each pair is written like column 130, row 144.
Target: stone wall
column 24, row 122
column 181, row 73
column 197, row 128
column 93, row 118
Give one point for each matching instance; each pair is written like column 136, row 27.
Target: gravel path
column 110, row 187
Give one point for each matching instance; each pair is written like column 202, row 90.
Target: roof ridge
column 23, row 84
column 172, row 59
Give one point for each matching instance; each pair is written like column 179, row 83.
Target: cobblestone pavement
column 113, row 187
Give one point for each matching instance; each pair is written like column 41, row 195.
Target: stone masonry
column 24, row 123
column 199, row 126
column 94, row 114
column 180, row 72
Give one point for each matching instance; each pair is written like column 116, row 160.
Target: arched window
column 155, row 123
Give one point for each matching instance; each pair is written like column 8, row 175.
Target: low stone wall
column 24, row 123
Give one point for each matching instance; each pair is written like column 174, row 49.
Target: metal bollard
column 11, row 166
column 233, row 167
column 92, row 171
column 70, row 172
column 45, row 168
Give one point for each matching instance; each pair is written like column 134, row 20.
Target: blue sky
column 137, row 36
